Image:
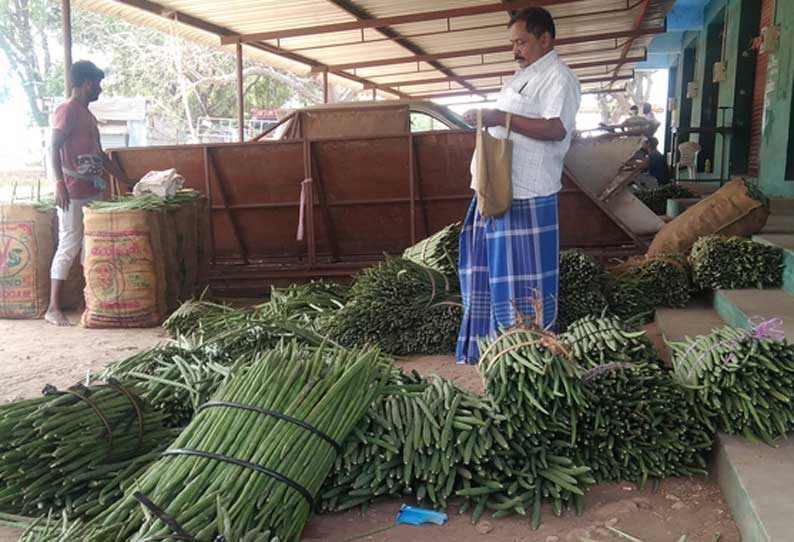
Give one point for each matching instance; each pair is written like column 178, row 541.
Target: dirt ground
column 33, row 354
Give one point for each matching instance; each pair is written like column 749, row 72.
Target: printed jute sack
column 730, row 211
column 27, row 245
column 124, row 269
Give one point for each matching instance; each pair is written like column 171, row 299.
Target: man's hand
column 490, row 117
column 493, row 117
column 470, row 117
column 62, row 199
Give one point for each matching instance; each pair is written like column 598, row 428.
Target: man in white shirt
column 509, row 262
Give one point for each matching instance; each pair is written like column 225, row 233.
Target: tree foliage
column 615, row 106
column 25, row 40
column 181, row 81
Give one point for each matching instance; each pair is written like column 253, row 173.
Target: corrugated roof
column 454, row 44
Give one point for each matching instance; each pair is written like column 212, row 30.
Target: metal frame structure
column 352, row 215
column 402, row 49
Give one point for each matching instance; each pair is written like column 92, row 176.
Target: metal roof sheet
column 598, row 34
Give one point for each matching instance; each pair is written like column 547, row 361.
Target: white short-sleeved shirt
column 545, row 89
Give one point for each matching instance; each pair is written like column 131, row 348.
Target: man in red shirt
column 78, row 164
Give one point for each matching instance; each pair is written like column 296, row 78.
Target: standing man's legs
column 523, row 263
column 70, row 242
column 507, row 263
column 474, row 289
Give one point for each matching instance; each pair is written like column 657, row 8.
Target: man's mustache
column 518, row 57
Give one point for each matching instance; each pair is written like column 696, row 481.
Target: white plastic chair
column 688, row 157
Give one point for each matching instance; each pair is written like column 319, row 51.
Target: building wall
column 780, row 87
column 777, row 108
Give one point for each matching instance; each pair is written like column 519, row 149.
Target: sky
column 18, row 142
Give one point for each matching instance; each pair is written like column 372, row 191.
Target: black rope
column 240, row 463
column 116, row 385
column 279, row 415
column 73, row 391
column 171, row 523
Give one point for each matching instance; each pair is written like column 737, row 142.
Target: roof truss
column 389, row 49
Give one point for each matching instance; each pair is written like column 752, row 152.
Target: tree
column 615, row 106
column 180, row 80
column 26, row 27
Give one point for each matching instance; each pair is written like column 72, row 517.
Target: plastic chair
column 688, row 158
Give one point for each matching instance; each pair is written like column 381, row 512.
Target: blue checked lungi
column 503, row 263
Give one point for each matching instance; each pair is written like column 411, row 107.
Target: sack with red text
column 27, row 245
column 124, row 268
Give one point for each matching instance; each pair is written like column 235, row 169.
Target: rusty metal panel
column 367, row 194
column 137, row 162
column 263, row 173
column 582, row 223
column 443, row 159
column 360, row 200
column 364, row 169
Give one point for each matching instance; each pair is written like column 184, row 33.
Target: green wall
column 736, row 90
column 777, row 112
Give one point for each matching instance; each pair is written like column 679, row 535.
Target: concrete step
column 756, row 481
column 781, row 205
column 786, row 242
column 697, row 318
column 738, row 307
column 779, row 223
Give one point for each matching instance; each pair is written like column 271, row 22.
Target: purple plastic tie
column 770, row 330
column 760, row 329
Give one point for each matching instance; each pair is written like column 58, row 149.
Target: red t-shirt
column 81, row 152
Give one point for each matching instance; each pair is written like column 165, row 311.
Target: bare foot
column 56, row 318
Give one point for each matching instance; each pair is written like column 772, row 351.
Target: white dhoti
column 70, row 238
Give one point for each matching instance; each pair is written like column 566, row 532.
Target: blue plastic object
column 410, row 515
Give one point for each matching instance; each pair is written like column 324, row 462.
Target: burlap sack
column 124, row 269
column 203, row 244
column 26, row 249
column 729, row 211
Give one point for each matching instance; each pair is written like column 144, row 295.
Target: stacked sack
column 27, row 244
column 142, row 257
